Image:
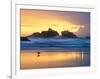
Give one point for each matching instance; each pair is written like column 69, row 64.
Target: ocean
column 55, row 44
column 55, row 53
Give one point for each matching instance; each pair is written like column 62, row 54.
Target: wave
column 52, row 43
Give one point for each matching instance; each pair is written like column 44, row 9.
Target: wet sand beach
column 30, row 59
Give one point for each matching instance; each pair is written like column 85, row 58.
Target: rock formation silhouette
column 36, row 34
column 45, row 34
column 24, row 39
column 50, row 33
column 68, row 34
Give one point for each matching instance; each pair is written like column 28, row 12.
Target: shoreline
column 60, row 50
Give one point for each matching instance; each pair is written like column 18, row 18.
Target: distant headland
column 50, row 33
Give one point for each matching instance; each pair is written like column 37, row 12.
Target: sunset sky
column 39, row 20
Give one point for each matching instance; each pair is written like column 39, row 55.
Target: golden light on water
column 29, row 59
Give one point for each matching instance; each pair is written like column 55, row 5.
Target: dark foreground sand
column 31, row 60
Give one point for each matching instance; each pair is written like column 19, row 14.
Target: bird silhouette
column 38, row 54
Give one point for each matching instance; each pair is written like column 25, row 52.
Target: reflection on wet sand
column 31, row 60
